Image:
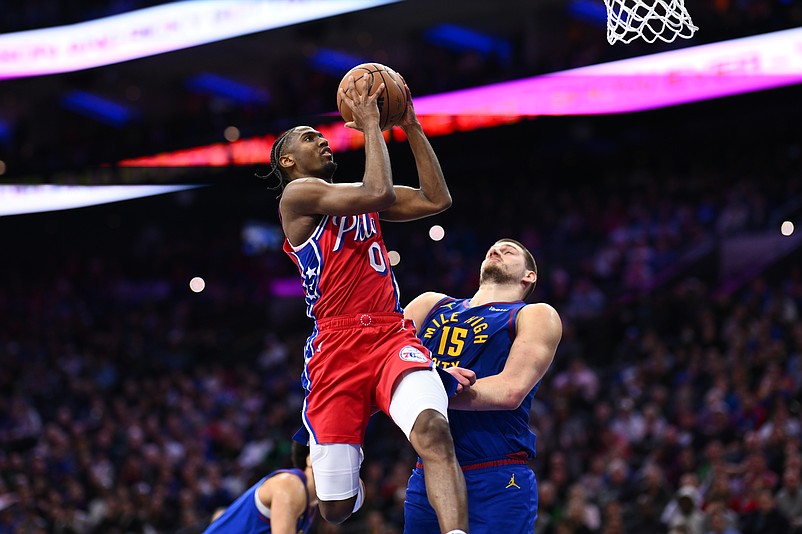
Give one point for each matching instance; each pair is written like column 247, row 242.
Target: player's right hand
column 363, row 106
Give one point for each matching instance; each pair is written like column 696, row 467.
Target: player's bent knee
column 336, row 470
column 417, row 392
column 336, row 511
column 431, row 435
column 431, row 424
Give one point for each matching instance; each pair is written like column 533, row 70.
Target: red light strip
column 256, row 150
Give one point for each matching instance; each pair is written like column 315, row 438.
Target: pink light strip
column 659, row 80
column 646, row 82
column 155, row 30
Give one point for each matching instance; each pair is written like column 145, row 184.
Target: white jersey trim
column 264, row 510
column 315, row 234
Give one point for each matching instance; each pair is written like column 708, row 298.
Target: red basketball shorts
column 352, row 365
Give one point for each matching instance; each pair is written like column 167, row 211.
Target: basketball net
column 650, row 19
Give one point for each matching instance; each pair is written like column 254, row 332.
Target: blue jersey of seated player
column 248, row 515
column 492, row 447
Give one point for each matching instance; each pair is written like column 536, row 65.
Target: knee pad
column 415, row 392
column 336, row 470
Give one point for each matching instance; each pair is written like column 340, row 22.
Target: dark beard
column 495, row 274
column 329, row 169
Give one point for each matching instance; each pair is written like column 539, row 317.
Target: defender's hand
column 465, row 377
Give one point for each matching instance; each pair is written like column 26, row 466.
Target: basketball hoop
column 650, row 19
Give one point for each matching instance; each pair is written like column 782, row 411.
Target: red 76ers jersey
column 345, row 268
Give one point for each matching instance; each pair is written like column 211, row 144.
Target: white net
column 650, row 19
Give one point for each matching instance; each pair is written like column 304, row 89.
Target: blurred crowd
column 129, row 404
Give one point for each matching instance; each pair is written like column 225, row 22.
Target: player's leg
column 419, row 516
column 419, row 405
column 336, row 470
column 445, row 485
column 335, row 416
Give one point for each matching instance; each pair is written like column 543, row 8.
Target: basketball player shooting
column 362, row 353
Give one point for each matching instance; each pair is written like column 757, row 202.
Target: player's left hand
column 465, row 377
column 409, row 117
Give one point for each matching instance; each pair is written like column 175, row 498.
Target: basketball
column 392, row 101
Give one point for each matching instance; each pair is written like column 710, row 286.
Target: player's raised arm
column 432, row 195
column 304, row 163
column 309, row 165
column 308, row 196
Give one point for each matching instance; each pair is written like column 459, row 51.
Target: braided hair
column 275, row 169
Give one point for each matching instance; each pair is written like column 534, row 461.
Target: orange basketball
column 392, row 101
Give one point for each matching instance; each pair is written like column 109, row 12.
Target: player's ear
column 286, row 160
column 530, row 276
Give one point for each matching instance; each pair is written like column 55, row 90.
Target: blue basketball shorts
column 500, row 499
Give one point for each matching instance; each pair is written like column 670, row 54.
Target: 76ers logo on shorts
column 411, row 354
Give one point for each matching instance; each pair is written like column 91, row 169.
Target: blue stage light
column 98, row 108
column 220, row 86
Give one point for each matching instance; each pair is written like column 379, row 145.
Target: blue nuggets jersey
column 479, row 338
column 244, row 516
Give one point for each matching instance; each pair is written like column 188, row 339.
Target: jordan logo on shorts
column 512, row 482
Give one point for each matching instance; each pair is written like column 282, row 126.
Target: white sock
column 458, row 531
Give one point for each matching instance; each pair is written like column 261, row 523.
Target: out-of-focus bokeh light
column 787, row 228
column 231, row 134
column 395, row 257
column 437, row 232
column 197, row 284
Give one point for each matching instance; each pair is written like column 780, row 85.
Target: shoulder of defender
column 420, row 306
column 428, row 299
column 542, row 314
column 286, row 481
